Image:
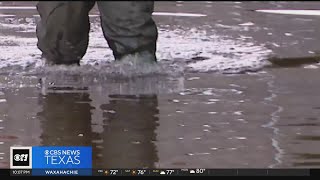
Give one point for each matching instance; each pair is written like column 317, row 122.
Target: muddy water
column 225, row 108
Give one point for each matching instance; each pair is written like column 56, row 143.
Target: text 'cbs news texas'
column 50, row 160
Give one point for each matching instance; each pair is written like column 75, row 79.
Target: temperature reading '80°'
column 200, row 171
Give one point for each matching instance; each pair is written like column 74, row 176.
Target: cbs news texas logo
column 20, row 157
column 50, row 157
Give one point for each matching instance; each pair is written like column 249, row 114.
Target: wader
column 128, row 27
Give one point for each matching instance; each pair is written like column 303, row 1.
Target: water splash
column 178, row 51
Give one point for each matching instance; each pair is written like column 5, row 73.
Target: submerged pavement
column 239, row 89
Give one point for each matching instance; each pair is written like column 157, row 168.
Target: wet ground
column 237, row 89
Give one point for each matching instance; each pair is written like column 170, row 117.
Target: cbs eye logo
column 20, row 157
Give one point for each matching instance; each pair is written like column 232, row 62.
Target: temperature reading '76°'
column 141, row 172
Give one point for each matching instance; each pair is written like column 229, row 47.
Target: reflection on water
column 128, row 125
column 117, row 118
column 64, row 117
column 214, row 121
column 129, row 132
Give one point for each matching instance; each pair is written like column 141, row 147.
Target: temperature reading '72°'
column 114, row 172
column 169, row 172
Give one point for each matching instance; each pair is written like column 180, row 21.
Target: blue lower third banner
column 61, row 160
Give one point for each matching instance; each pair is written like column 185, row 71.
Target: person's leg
column 129, row 28
column 63, row 30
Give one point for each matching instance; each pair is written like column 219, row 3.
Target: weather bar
column 166, row 172
column 206, row 172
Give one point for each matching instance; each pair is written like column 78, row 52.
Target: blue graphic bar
column 61, row 157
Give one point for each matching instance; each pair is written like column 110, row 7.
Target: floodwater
column 234, row 89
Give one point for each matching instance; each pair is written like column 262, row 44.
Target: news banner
column 77, row 161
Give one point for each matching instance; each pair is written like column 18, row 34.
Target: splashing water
column 180, row 50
